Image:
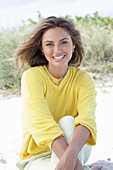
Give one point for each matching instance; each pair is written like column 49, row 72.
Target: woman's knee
column 66, row 124
column 66, row 120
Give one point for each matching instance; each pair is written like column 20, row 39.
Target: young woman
column 58, row 99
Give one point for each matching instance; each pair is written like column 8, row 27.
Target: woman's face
column 57, row 47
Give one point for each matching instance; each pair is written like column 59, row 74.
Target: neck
column 56, row 71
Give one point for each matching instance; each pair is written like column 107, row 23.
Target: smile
column 58, row 58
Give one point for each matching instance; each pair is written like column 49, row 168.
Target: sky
column 13, row 12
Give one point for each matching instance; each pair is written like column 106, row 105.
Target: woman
column 58, row 99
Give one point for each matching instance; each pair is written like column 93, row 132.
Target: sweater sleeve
column 37, row 117
column 86, row 106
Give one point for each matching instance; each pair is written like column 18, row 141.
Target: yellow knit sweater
column 44, row 104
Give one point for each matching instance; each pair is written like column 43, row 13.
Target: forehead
column 56, row 33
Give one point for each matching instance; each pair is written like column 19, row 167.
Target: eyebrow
column 64, row 39
column 59, row 40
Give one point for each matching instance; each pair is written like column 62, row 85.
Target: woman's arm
column 59, row 146
column 80, row 137
column 36, row 115
column 68, row 153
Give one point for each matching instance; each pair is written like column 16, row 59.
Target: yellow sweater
column 44, row 104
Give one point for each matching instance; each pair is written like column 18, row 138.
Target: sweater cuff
column 92, row 139
column 56, row 136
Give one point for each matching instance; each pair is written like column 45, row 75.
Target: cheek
column 47, row 52
column 68, row 49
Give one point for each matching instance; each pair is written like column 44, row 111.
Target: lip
column 59, row 59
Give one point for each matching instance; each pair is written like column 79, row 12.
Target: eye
column 49, row 44
column 64, row 42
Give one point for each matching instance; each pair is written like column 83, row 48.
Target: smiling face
column 57, row 47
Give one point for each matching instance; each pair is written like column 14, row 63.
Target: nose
column 57, row 49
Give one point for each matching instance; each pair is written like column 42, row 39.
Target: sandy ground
column 10, row 127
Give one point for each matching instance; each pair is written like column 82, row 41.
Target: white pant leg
column 38, row 164
column 66, row 124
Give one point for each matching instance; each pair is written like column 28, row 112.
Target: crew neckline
column 54, row 80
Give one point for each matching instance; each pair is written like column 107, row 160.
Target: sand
column 10, row 127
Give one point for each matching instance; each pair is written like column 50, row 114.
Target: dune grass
column 97, row 37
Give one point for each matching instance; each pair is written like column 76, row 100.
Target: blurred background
column 94, row 19
column 13, row 12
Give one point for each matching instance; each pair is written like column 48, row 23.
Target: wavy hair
column 29, row 52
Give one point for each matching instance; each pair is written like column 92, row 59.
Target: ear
column 73, row 47
column 41, row 49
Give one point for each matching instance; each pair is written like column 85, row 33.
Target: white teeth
column 59, row 57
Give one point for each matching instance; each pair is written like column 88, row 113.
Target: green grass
column 9, row 41
column 97, row 37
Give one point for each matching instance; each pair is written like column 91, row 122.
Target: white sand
column 10, row 129
column 104, row 118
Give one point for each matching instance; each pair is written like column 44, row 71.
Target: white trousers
column 48, row 161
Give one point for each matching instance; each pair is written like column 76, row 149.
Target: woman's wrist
column 71, row 152
column 59, row 146
column 80, row 137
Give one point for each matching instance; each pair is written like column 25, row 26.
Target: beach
column 11, row 130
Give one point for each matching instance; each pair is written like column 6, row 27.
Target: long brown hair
column 29, row 52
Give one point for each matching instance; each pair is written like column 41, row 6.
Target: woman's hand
column 79, row 166
column 67, row 161
column 68, row 153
